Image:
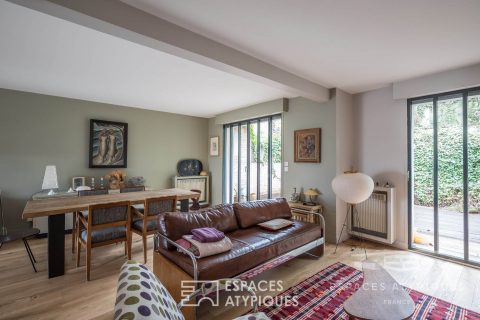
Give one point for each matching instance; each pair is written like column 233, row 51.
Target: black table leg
column 184, row 205
column 56, row 245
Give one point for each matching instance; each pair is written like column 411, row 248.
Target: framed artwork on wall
column 308, row 144
column 77, row 182
column 214, row 146
column 108, row 144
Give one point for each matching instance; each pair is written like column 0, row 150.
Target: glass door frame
column 434, row 97
column 227, row 176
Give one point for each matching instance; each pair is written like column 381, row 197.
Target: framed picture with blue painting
column 108, row 144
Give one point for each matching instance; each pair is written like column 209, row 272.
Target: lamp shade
column 311, row 192
column 353, row 188
column 50, row 180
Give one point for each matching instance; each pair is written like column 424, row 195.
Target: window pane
column 253, row 160
column 450, row 176
column 474, row 175
column 264, row 174
column 243, row 163
column 276, row 157
column 235, row 163
column 422, row 171
column 227, row 195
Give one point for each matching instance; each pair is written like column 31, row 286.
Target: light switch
column 285, row 169
column 286, row 163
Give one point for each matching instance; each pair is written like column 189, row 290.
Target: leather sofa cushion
column 254, row 212
column 251, row 247
column 176, row 224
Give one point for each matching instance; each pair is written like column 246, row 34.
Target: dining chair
column 132, row 189
column 82, row 193
column 145, row 222
column 105, row 224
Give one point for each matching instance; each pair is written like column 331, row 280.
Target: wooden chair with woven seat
column 145, row 222
column 106, row 224
column 82, row 193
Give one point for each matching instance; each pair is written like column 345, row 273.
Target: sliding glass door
column 252, row 159
column 444, row 174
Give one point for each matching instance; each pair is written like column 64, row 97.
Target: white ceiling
column 43, row 54
column 350, row 44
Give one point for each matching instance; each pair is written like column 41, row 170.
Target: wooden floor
column 28, row 295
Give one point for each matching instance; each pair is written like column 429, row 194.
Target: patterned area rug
column 322, row 295
column 264, row 267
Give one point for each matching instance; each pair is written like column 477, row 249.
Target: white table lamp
column 50, row 180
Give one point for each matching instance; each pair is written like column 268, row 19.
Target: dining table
column 56, row 208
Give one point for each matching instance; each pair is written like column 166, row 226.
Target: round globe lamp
column 352, row 188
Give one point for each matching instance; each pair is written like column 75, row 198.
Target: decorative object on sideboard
column 214, row 146
column 116, row 179
column 353, row 188
column 92, row 183
column 312, row 194
column 204, row 173
column 70, row 190
column 77, row 182
column 83, row 188
column 108, row 144
column 3, row 230
column 308, row 145
column 102, row 183
column 50, row 180
column 295, row 197
column 137, row 181
column 189, row 167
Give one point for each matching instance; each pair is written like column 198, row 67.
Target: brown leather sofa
column 252, row 245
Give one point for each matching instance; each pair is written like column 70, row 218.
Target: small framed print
column 214, row 146
column 308, row 143
column 77, row 182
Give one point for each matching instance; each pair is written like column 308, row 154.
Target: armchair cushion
column 151, row 225
column 105, row 234
column 141, row 296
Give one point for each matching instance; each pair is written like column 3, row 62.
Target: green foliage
column 450, row 154
column 276, row 145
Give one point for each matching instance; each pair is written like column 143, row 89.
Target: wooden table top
column 52, row 206
column 380, row 296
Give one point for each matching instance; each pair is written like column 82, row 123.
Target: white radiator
column 374, row 218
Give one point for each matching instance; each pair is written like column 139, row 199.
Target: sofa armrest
column 321, row 219
column 159, row 237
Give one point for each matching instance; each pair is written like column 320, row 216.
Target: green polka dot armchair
column 140, row 295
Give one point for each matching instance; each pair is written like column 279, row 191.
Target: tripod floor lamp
column 352, row 188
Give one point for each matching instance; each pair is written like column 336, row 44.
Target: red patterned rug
column 322, row 295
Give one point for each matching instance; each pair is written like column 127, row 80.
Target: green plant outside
column 450, row 154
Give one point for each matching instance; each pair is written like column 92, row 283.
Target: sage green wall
column 37, row 130
column 302, row 114
column 305, row 114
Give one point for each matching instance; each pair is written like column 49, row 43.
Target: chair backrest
column 132, row 189
column 141, row 295
column 83, row 193
column 109, row 214
column 154, row 206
